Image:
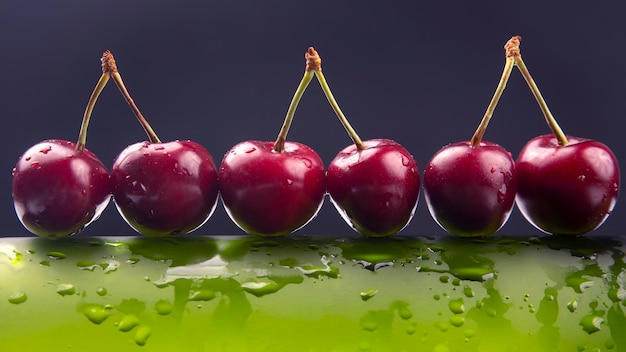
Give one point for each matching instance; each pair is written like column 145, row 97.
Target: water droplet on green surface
column 609, row 344
column 163, row 307
column 96, row 313
column 411, row 328
column 101, row 291
column 457, row 320
column 142, row 334
column 368, row 294
column 202, row 295
column 17, row 297
column 591, row 323
column 405, row 313
column 444, row 278
column 45, row 262
column 572, row 305
column 469, row 333
column 128, row 322
column 436, row 297
column 468, row 292
column 443, row 327
column 457, row 306
column 66, row 289
column 56, row 255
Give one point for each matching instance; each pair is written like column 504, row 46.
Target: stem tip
column 511, row 48
column 108, row 62
column 313, row 60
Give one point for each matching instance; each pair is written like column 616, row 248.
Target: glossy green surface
column 312, row 294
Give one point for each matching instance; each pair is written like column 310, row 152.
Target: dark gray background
column 220, row 72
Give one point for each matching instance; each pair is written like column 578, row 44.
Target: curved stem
column 554, row 126
column 82, row 135
column 279, row 145
column 333, row 103
column 510, row 47
column 109, row 66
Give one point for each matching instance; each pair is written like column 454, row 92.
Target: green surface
column 312, row 294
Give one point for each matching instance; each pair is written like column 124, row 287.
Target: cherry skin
column 163, row 189
column 470, row 189
column 57, row 190
column 375, row 189
column 271, row 193
column 566, row 190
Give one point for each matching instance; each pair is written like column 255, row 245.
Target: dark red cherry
column 470, row 189
column 375, row 189
column 566, row 190
column 271, row 193
column 57, row 190
column 165, row 188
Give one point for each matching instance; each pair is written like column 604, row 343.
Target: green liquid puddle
column 256, row 294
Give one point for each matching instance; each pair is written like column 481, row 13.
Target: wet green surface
column 312, row 294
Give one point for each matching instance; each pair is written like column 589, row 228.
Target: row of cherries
column 562, row 185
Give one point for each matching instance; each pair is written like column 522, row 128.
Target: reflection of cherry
column 566, row 185
column 470, row 186
column 374, row 184
column 60, row 187
column 273, row 188
column 159, row 188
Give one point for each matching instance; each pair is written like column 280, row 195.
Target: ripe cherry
column 162, row 189
column 470, row 186
column 273, row 188
column 566, row 185
column 373, row 184
column 60, row 187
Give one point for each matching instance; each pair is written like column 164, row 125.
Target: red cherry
column 375, row 189
column 57, row 190
column 570, row 189
column 566, row 185
column 470, row 186
column 271, row 193
column 470, row 189
column 161, row 189
column 165, row 188
column 60, row 187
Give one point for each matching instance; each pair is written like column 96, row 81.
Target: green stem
column 82, row 135
column 279, row 145
column 554, row 126
column 509, row 47
column 344, row 121
column 109, row 65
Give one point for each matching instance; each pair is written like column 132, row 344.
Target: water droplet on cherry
column 46, row 149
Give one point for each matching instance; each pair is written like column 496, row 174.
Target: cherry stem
column 554, row 126
column 331, row 99
column 279, row 145
column 510, row 47
column 82, row 135
column 110, row 67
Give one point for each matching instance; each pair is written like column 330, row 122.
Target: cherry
column 470, row 186
column 60, row 187
column 273, row 188
column 373, row 184
column 162, row 189
column 566, row 185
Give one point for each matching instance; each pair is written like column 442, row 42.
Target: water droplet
column 163, row 307
column 493, row 170
column 582, row 177
column 96, row 313
column 469, row 333
column 17, row 297
column 444, row 278
column 468, row 292
column 202, row 295
column 128, row 322
column 159, row 147
column 289, row 182
column 27, row 158
column 56, row 255
column 405, row 161
column 34, row 164
column 457, row 320
column 306, row 161
column 142, row 334
column 66, row 289
column 13, row 172
column 368, row 294
column 591, row 323
column 250, row 150
column 405, row 313
column 457, row 306
column 572, row 305
column 502, row 193
column 101, row 291
column 45, row 149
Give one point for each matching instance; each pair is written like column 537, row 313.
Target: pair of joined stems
column 314, row 68
column 514, row 58
column 109, row 70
